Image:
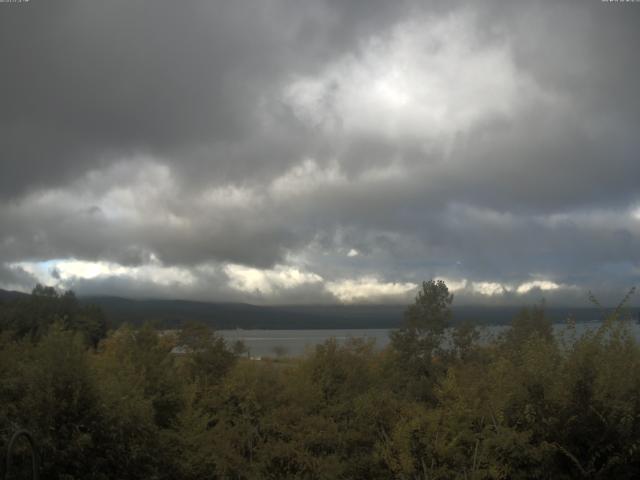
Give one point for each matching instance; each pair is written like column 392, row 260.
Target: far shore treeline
column 117, row 400
column 162, row 313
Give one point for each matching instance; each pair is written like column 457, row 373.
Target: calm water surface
column 263, row 343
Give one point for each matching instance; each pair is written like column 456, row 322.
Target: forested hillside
column 174, row 313
column 121, row 405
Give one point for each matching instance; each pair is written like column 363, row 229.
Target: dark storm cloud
column 266, row 134
column 16, row 278
column 90, row 81
column 86, row 83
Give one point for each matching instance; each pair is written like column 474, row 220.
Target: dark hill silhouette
column 8, row 295
column 170, row 313
column 224, row 315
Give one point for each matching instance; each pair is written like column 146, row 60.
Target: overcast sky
column 321, row 151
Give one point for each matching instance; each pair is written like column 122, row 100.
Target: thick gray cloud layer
column 319, row 151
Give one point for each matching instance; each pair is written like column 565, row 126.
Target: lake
column 265, row 343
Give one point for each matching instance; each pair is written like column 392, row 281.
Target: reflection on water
column 296, row 342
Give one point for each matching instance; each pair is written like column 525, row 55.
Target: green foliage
column 32, row 316
column 208, row 357
column 464, row 338
column 419, row 340
column 530, row 322
column 434, row 404
column 430, row 314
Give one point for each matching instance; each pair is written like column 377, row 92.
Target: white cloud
column 489, row 288
column 62, row 272
column 369, row 289
column 306, row 178
column 454, row 285
column 414, row 82
column 135, row 191
column 539, row 284
column 492, row 288
column 228, row 196
column 267, row 281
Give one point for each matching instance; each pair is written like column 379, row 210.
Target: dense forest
column 121, row 404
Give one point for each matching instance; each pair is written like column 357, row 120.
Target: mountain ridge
column 171, row 313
